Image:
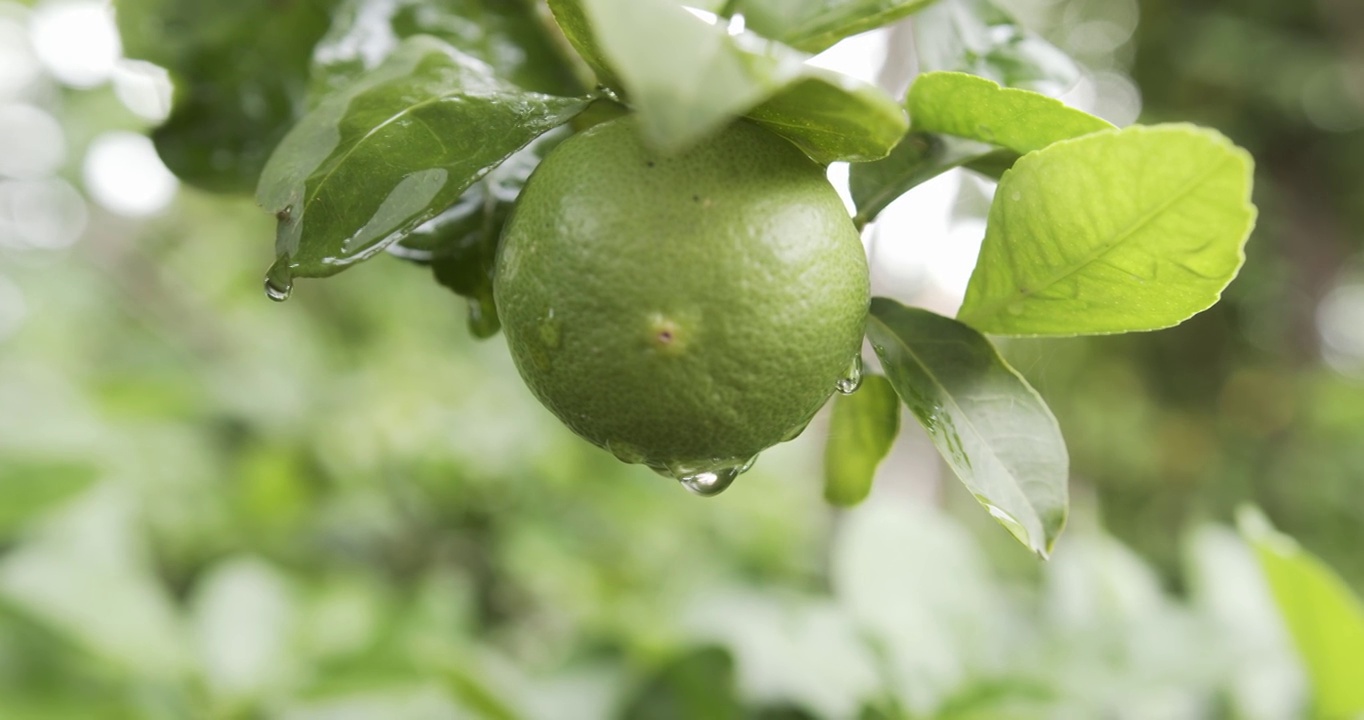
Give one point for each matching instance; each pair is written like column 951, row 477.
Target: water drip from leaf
column 279, row 280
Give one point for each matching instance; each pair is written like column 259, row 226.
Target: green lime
column 684, row 311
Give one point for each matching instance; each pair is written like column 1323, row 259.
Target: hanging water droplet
column 483, row 321
column 712, row 478
column 851, row 380
column 709, row 483
column 279, row 280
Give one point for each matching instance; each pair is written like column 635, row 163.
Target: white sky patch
column 76, row 40
column 18, row 65
column 143, row 88
column 32, row 144
column 124, row 175
column 45, row 214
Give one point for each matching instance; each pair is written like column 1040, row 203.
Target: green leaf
column 230, row 107
column 814, row 25
column 1135, row 229
column 1324, row 617
column 687, row 78
column 918, row 158
column 990, row 426
column 29, row 488
column 861, row 431
column 699, row 684
column 833, row 117
column 979, row 109
column 509, row 36
column 977, row 37
column 372, row 163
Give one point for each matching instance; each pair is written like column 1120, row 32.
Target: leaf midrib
column 993, row 308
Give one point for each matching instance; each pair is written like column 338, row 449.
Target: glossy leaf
column 814, row 25
column 861, row 430
column 991, row 427
column 1135, row 229
column 833, row 117
column 977, row 37
column 372, row 163
column 979, row 109
column 687, row 77
column 1324, row 617
column 918, row 158
column 508, row 35
column 230, row 107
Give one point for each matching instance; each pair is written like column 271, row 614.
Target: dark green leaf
column 507, row 34
column 990, row 426
column 231, row 106
column 1126, row 230
column 918, row 158
column 861, row 431
column 375, row 161
column 976, row 37
column 979, row 109
column 30, row 487
column 1324, row 617
column 813, row 25
column 699, row 684
column 687, row 78
column 833, row 117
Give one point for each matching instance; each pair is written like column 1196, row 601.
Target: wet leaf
column 1134, row 229
column 814, row 25
column 507, row 35
column 230, row 107
column 991, row 427
column 979, row 109
column 1324, row 617
column 833, row 117
column 977, row 37
column 861, row 430
column 393, row 150
column 918, row 158
column 687, row 78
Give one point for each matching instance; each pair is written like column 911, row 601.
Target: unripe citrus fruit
column 684, row 311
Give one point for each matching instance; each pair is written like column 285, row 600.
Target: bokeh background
column 344, row 506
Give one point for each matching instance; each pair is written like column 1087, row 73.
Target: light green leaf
column 687, row 78
column 1324, row 617
column 1135, row 229
column 813, row 25
column 979, row 109
column 861, row 431
column 918, row 158
column 833, row 117
column 977, row 37
column 375, row 161
column 991, row 427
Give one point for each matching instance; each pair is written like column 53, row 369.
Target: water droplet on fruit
column 626, row 453
column 712, row 478
column 550, row 333
column 483, row 322
column 279, row 280
column 852, row 379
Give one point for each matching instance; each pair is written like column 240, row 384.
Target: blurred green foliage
column 343, row 507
